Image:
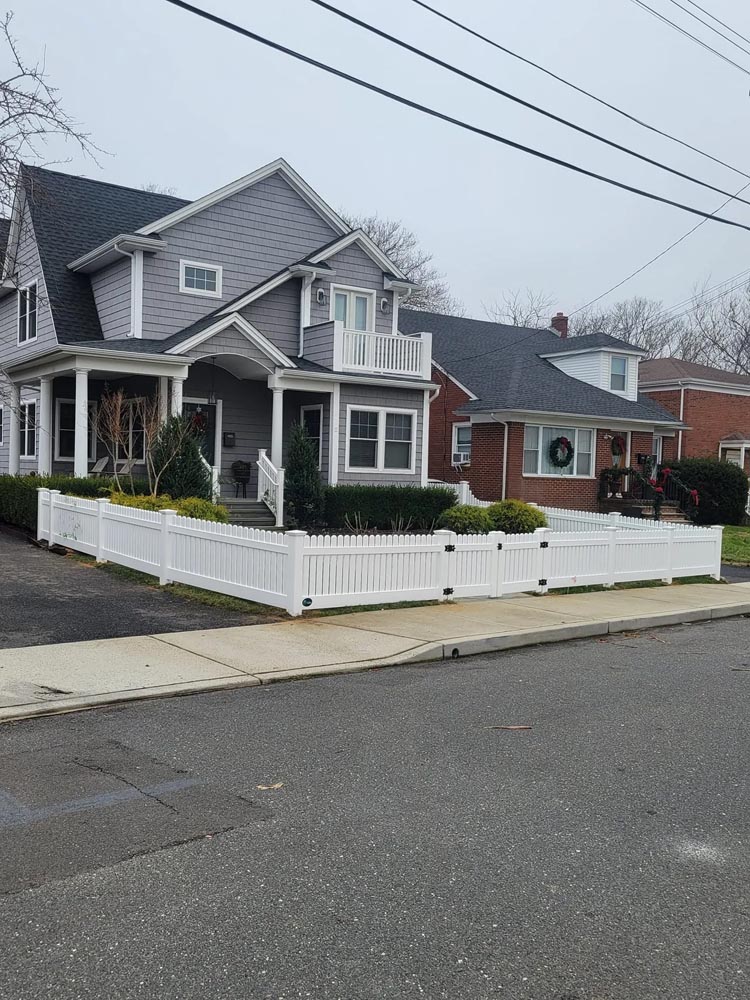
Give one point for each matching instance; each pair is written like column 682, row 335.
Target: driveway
column 50, row 598
column 380, row 836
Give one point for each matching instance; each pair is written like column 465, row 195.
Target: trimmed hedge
column 722, row 488
column 466, row 520
column 387, row 508
column 18, row 500
column 515, row 517
column 187, row 506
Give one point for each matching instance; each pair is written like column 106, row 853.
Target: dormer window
column 197, row 278
column 354, row 307
column 618, row 373
column 27, row 313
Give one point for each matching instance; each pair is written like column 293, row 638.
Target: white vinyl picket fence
column 294, row 570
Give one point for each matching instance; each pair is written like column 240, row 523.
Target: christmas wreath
column 619, row 445
column 561, row 452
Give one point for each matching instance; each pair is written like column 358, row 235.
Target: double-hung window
column 381, row 440
column 27, row 313
column 618, row 373
column 537, row 441
column 461, row 443
column 65, row 436
column 28, row 430
column 355, row 309
column 197, row 278
column 311, row 418
column 133, row 446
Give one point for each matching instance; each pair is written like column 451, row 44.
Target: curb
column 428, row 652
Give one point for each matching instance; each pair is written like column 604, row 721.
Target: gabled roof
column 505, row 368
column 278, row 166
column 369, row 246
column 592, row 342
column 674, row 370
column 71, row 215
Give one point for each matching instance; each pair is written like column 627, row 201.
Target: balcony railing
column 385, row 353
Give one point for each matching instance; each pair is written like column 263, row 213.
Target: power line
column 714, row 298
column 711, row 27
column 664, row 313
column 694, row 38
column 658, row 256
column 441, row 116
column 719, row 21
column 512, row 97
column 575, row 87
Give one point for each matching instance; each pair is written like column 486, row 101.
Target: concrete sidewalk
column 40, row 680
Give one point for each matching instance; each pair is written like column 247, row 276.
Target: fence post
column 446, row 542
column 542, row 536
column 167, row 520
column 614, row 518
column 669, row 528
column 53, row 495
column 497, row 563
column 100, row 505
column 295, row 570
column 464, row 492
column 40, row 495
column 719, row 531
column 612, row 533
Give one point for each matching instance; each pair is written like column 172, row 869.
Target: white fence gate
column 294, row 570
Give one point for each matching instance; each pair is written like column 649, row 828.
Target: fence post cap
column 296, row 533
column 718, row 527
column 102, row 499
column 42, row 489
column 166, row 511
column 55, row 491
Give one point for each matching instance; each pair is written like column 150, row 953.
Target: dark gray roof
column 72, row 215
column 131, row 345
column 4, row 230
column 588, row 342
column 501, row 365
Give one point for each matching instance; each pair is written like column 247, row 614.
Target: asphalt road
column 48, row 598
column 413, row 849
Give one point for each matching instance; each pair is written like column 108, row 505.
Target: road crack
column 118, row 777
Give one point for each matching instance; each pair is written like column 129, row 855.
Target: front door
column 202, row 417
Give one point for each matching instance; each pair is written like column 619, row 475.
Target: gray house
column 253, row 307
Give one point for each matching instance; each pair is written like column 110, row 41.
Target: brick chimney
column 559, row 324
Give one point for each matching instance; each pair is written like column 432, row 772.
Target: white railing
column 295, row 571
column 271, row 486
column 385, row 353
column 214, row 473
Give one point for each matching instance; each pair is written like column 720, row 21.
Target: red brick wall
column 710, row 416
column 442, row 418
column 485, row 474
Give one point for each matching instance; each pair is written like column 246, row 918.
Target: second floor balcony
column 369, row 352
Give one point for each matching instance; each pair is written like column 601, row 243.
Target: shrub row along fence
column 294, row 570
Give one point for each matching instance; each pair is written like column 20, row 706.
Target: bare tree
column 155, row 188
column 31, row 115
column 402, row 246
column 521, row 308
column 719, row 330
column 642, row 322
column 111, row 426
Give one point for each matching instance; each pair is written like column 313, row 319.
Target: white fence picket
column 295, row 570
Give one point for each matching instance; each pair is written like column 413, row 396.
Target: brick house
column 713, row 404
column 507, row 392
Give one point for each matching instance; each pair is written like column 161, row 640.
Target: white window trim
column 131, row 403
column 25, row 404
column 207, row 267
column 379, row 468
column 369, row 292
column 626, row 359
column 2, row 426
column 454, row 438
column 92, row 431
column 302, row 411
column 21, row 290
column 561, row 474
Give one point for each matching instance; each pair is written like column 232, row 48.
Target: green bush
column 188, row 506
column 722, row 488
column 303, row 491
column 515, row 517
column 177, row 452
column 466, row 520
column 18, row 497
column 387, row 508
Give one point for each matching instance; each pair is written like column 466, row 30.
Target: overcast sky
column 180, row 102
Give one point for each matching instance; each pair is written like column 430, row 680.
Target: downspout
column 505, row 451
column 136, row 289
column 679, row 433
column 305, row 303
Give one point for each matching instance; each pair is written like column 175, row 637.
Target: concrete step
column 248, row 513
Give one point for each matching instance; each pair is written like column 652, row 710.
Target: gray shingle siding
column 28, row 268
column 276, row 316
column 111, row 288
column 250, row 235
column 368, row 395
column 229, row 342
column 353, row 267
column 319, row 344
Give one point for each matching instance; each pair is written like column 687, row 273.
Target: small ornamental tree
column 303, row 491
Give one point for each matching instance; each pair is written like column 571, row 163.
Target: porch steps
column 669, row 515
column 249, row 513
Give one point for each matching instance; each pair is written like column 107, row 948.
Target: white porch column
column 82, row 432
column 163, row 399
column 177, row 396
column 14, row 442
column 277, row 419
column 44, row 427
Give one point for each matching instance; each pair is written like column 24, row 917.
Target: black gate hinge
column 447, row 591
column 542, row 583
column 450, row 548
column 499, row 545
column 544, row 545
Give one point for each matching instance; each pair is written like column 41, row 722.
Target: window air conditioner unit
column 460, row 458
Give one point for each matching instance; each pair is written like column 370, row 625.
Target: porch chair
column 241, row 477
column 98, row 468
column 126, row 467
